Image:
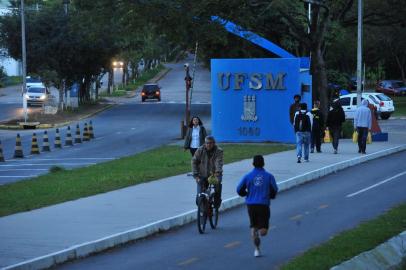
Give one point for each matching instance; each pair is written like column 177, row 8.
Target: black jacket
column 336, row 117
column 188, row 138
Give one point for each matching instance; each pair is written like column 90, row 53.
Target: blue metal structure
column 251, row 97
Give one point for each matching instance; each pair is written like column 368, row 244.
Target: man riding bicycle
column 207, row 161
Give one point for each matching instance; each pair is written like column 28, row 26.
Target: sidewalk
column 78, row 228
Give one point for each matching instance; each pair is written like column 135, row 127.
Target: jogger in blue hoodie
column 259, row 187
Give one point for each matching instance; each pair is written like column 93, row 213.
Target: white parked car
column 36, row 95
column 384, row 104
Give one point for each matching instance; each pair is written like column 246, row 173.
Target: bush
column 336, row 77
column 55, row 169
column 347, row 129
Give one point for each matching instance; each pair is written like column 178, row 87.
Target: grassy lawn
column 64, row 185
column 145, row 77
column 350, row 243
column 11, row 80
column 400, row 106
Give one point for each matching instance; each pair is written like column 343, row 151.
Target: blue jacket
column 259, row 186
column 362, row 116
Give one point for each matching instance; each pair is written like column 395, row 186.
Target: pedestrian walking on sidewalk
column 195, row 135
column 317, row 127
column 207, row 161
column 362, row 123
column 303, row 127
column 335, row 120
column 295, row 107
column 259, row 187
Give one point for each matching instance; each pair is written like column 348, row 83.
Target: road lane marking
column 375, row 185
column 48, row 164
column 323, row 206
column 189, row 261
column 232, row 244
column 297, row 217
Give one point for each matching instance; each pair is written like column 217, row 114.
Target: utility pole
column 188, row 82
column 24, row 60
column 359, row 54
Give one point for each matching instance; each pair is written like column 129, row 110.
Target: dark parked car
column 151, row 91
column 391, row 87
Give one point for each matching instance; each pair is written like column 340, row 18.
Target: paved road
column 122, row 131
column 128, row 128
column 301, row 218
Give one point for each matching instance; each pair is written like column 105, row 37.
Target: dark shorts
column 259, row 215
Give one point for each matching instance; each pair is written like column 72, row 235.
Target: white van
column 384, row 104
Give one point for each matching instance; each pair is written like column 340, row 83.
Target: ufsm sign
column 251, row 98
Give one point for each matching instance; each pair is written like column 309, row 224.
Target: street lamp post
column 359, row 54
column 188, row 82
column 24, row 60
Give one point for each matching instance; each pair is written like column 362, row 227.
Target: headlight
column 26, row 96
column 43, row 97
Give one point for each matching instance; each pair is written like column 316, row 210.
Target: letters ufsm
column 251, row 98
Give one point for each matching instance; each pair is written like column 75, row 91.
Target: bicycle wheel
column 213, row 217
column 202, row 215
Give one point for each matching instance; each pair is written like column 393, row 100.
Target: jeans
column 335, row 133
column 302, row 138
column 202, row 186
column 316, row 139
column 362, row 138
column 192, row 151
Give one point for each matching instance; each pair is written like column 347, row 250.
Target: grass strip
column 400, row 106
column 65, row 185
column 349, row 244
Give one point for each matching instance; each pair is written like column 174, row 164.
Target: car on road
column 391, row 87
column 36, row 95
column 151, row 91
column 32, row 81
column 383, row 104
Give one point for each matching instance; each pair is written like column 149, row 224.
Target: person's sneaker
column 298, row 160
column 318, row 151
column 257, row 252
column 306, row 160
column 359, row 151
column 335, row 151
column 311, row 151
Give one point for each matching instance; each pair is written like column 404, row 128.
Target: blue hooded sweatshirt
column 362, row 116
column 259, row 186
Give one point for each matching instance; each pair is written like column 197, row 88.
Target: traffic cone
column 78, row 139
column 45, row 142
column 1, row 153
column 34, row 145
column 58, row 143
column 91, row 133
column 18, row 152
column 86, row 137
column 68, row 140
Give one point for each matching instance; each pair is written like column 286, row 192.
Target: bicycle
column 206, row 209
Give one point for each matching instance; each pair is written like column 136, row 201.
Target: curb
column 45, row 126
column 89, row 248
column 389, row 255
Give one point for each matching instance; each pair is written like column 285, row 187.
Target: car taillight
column 381, row 104
column 142, row 94
column 157, row 93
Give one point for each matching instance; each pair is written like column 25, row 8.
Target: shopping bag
column 327, row 138
column 355, row 137
column 369, row 138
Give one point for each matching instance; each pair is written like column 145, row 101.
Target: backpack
column 302, row 122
